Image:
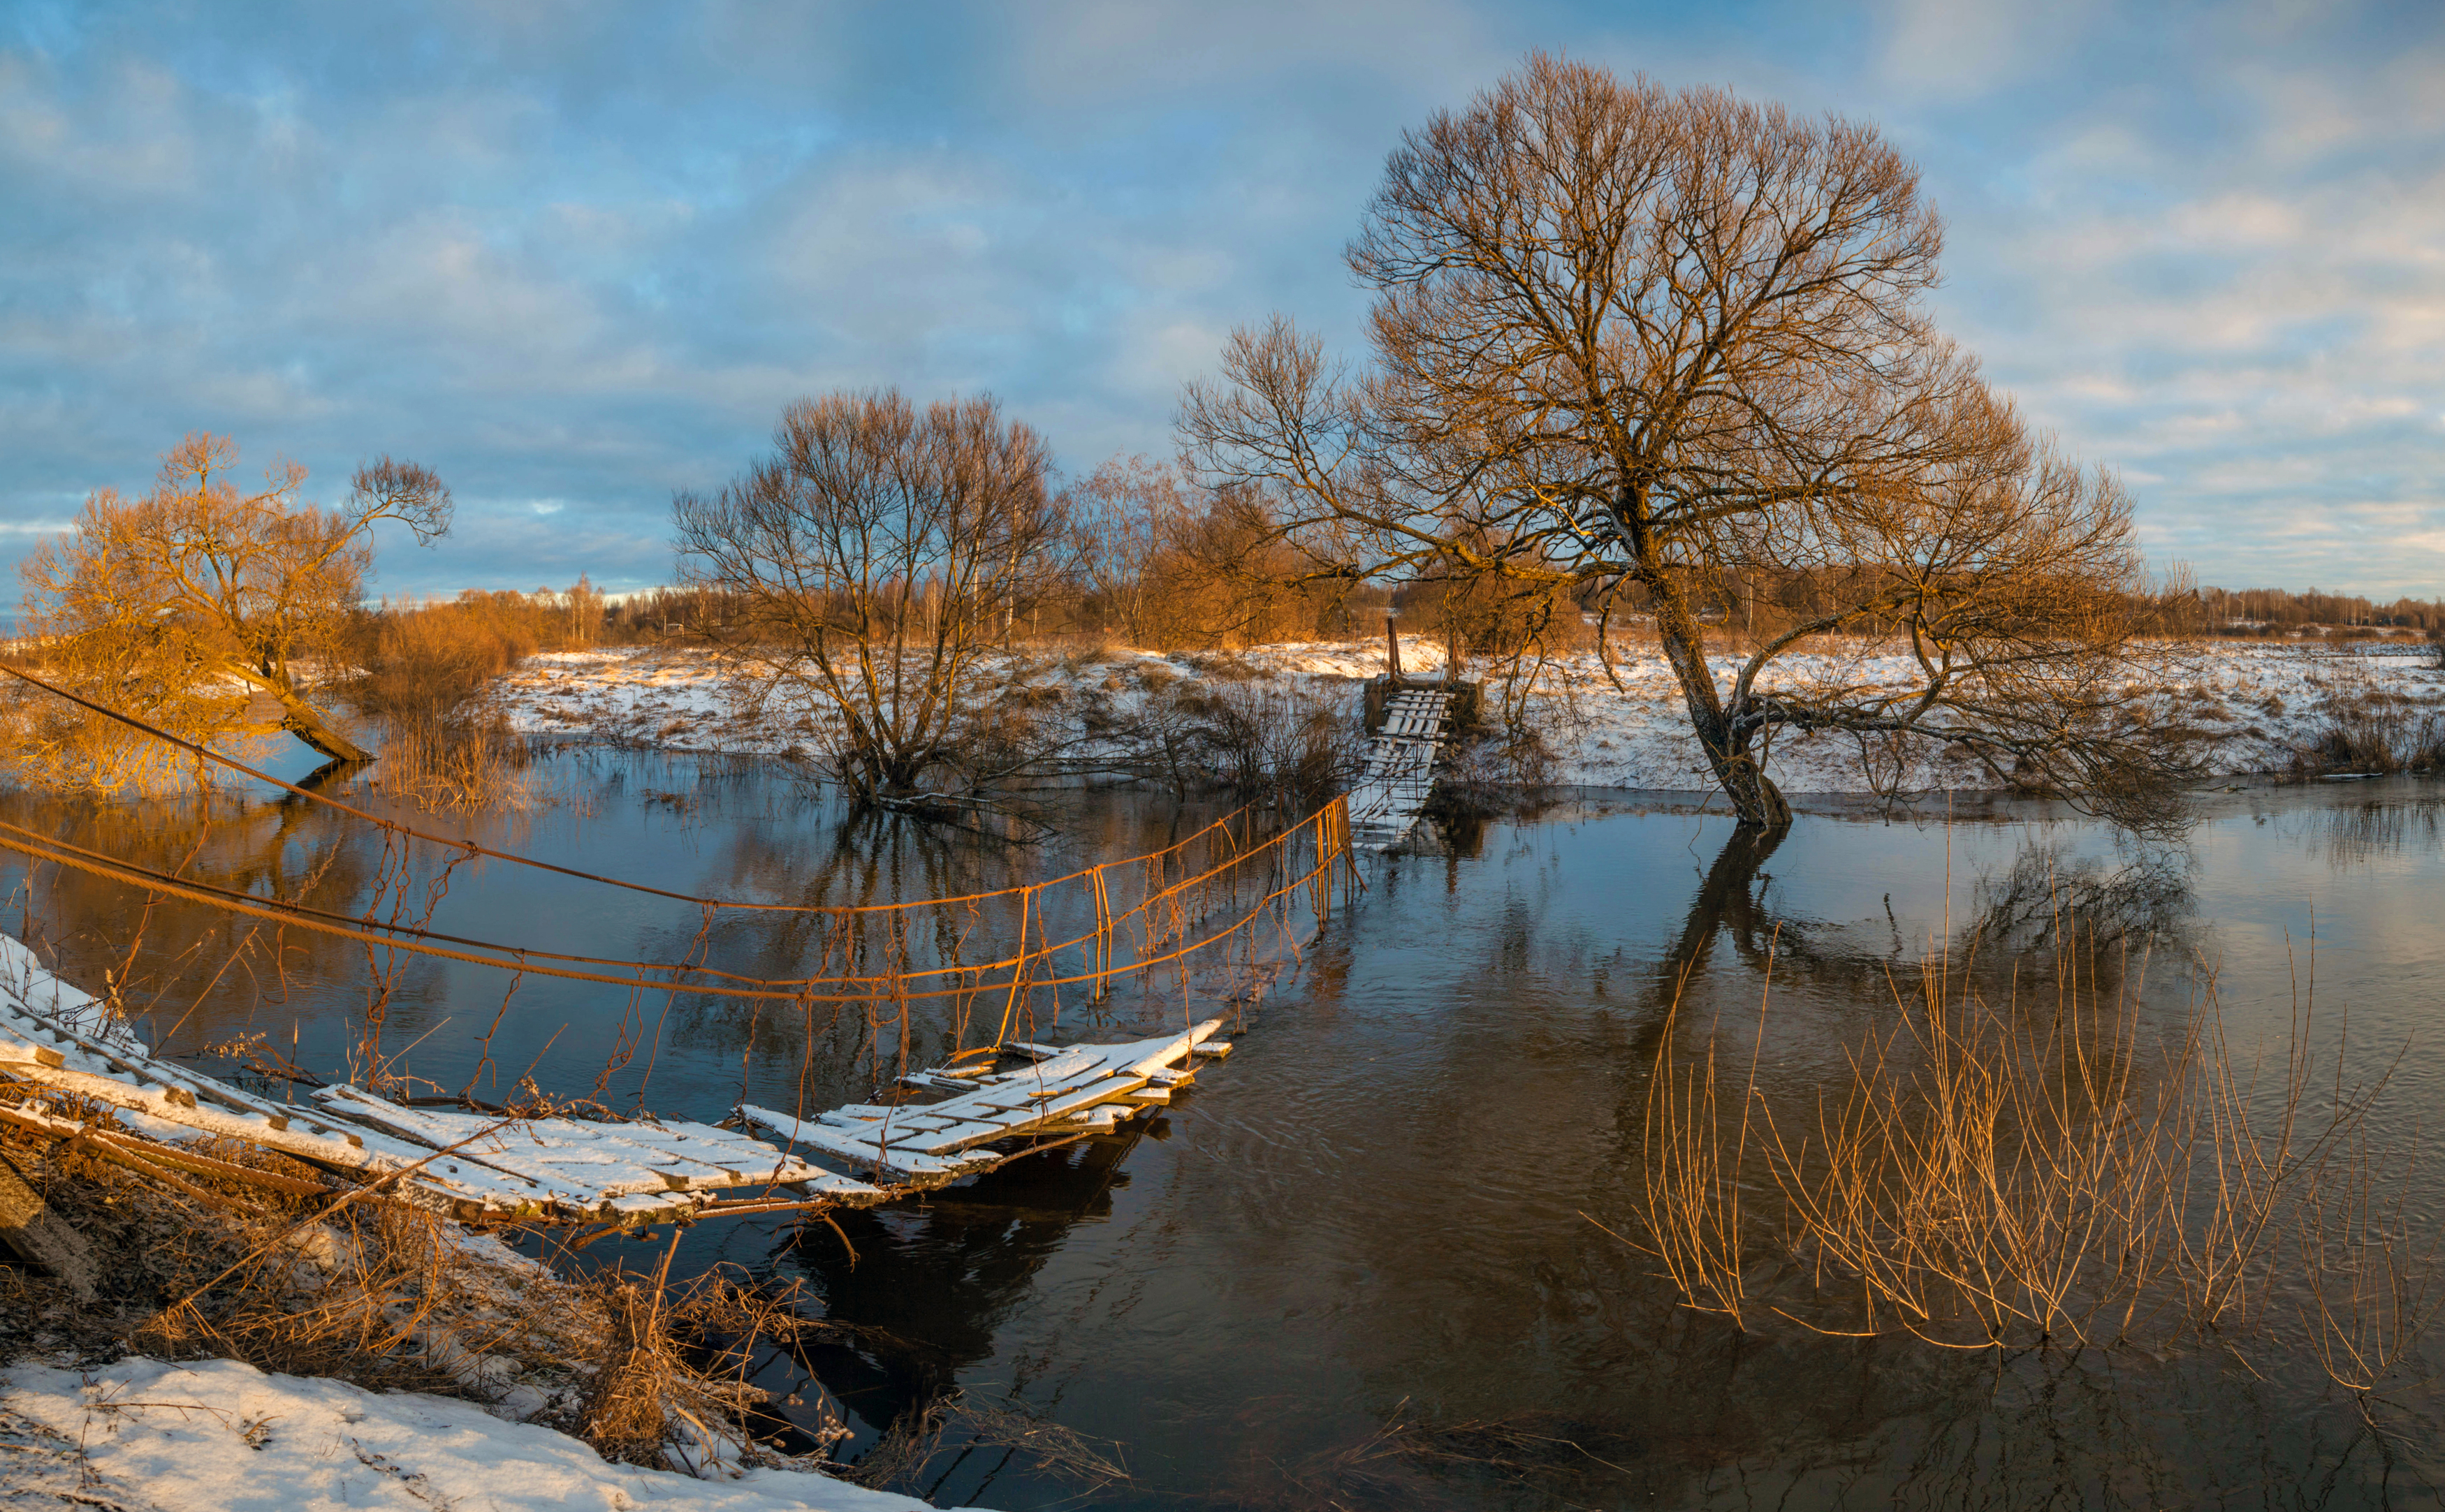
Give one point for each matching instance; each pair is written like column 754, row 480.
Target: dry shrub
column 391, row 1297
column 1492, row 618
column 430, row 671
column 2361, row 731
column 1167, row 565
column 434, row 659
column 430, row 661
column 2007, row 1167
column 474, row 762
column 1251, row 736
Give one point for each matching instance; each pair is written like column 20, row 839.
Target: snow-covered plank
column 890, row 1162
column 581, row 1158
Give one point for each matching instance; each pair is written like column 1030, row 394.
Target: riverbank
column 2262, row 707
column 202, row 1321
column 221, row 1436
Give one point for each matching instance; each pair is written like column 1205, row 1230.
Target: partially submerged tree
column 183, row 606
column 876, row 557
column 1632, row 341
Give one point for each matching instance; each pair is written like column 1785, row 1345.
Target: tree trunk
column 1757, row 803
column 307, row 723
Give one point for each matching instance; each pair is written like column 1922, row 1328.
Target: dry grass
column 391, row 1297
column 2361, row 731
column 456, row 764
column 2000, row 1166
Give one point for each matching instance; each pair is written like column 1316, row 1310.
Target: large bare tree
column 186, row 603
column 877, row 555
column 1657, row 344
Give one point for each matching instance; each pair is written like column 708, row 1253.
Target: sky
column 578, row 257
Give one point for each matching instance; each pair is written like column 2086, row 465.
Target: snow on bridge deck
column 1399, row 770
column 478, row 1165
column 1081, row 1089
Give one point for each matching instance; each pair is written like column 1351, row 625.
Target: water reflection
column 713, row 828
column 2358, row 833
column 918, row 1290
column 1361, row 1272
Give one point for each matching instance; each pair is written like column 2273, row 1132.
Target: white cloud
column 1955, row 49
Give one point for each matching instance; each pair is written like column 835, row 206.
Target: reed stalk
column 1996, row 1166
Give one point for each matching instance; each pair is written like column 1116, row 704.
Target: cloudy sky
column 577, row 256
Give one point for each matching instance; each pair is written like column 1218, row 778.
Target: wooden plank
column 842, row 1146
column 583, row 1159
column 857, row 1112
column 16, row 1050
column 34, row 1234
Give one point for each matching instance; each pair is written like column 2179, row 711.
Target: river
column 1376, row 1257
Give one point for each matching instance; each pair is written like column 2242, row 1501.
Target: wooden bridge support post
column 1103, row 936
column 1017, row 966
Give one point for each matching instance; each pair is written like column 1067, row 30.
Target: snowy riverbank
column 218, row 1436
column 2263, row 701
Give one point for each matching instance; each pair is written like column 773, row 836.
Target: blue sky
column 577, row 256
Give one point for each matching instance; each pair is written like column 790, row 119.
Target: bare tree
column 877, row 555
column 1121, row 517
column 1170, row 565
column 184, row 605
column 1633, row 340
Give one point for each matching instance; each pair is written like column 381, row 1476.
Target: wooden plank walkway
column 1399, row 769
column 478, row 1166
column 1083, row 1088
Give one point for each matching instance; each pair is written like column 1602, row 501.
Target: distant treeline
column 2274, row 611
column 1202, row 575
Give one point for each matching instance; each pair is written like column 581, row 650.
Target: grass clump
column 2006, row 1162
column 325, row 1278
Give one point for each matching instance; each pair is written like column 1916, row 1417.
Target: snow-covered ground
column 218, row 1436
column 2265, row 698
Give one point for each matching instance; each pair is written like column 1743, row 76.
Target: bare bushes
column 1249, row 735
column 2034, row 1166
column 390, row 1298
column 432, row 660
column 430, row 671
column 2362, row 729
column 1504, row 619
column 1165, row 565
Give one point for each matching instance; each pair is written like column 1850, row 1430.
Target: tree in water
column 870, row 564
column 1666, row 352
column 182, row 608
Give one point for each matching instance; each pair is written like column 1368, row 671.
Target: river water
column 1374, row 1259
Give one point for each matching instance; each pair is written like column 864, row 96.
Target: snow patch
column 218, row 1436
column 2261, row 701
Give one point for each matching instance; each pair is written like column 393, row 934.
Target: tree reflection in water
column 1381, row 1200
